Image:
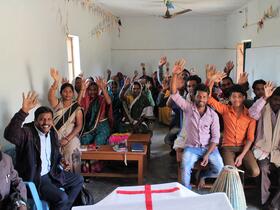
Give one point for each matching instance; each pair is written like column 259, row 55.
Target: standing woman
column 68, row 120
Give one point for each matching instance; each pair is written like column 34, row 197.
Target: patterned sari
column 117, row 109
column 97, row 122
column 64, row 122
column 135, row 109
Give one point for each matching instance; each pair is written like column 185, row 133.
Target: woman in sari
column 113, row 92
column 99, row 115
column 137, row 107
column 68, row 121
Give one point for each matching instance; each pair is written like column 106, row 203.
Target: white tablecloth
column 180, row 198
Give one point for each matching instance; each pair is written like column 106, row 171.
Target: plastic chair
column 38, row 203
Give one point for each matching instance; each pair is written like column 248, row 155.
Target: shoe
column 85, row 167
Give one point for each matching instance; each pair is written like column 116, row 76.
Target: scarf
column 268, row 143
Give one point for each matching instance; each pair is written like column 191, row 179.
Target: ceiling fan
column 169, row 5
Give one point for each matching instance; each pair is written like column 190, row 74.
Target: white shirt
column 45, row 141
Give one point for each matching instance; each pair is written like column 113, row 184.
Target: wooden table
column 144, row 138
column 106, row 152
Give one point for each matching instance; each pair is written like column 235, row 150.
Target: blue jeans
column 192, row 155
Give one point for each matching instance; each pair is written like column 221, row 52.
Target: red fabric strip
column 130, row 192
column 167, row 190
column 148, row 196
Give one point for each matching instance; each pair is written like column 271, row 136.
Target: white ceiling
column 157, row 7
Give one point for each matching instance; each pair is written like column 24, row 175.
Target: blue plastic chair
column 38, row 203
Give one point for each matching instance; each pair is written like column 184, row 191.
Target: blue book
column 137, row 147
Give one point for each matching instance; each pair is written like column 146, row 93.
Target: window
column 73, row 54
column 241, row 57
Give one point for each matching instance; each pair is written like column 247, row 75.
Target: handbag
column 84, row 198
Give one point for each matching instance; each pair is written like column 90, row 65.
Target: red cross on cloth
column 148, row 194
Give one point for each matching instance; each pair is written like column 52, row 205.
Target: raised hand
column 135, row 73
column 29, row 101
column 219, row 76
column 179, row 66
column 64, row 80
column 148, row 85
column 210, row 71
column 55, row 74
column 101, row 83
column 109, row 71
column 162, row 61
column 229, row 66
column 142, row 65
column 269, row 88
column 85, row 84
column 243, row 78
column 213, row 75
column 167, row 65
column 127, row 81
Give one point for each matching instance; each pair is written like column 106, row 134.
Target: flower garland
column 268, row 14
column 108, row 22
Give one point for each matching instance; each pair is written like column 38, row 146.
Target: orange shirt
column 236, row 129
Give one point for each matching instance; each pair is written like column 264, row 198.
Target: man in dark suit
column 37, row 155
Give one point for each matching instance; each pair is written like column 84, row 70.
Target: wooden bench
column 144, row 138
column 106, row 152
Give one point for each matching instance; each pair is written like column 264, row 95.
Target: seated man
column 176, row 115
column 191, row 83
column 11, row 185
column 137, row 107
column 239, row 129
column 38, row 158
column 266, row 148
column 258, row 89
column 202, row 124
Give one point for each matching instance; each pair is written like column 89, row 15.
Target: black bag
column 12, row 200
column 84, row 198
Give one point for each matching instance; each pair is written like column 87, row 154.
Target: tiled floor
column 161, row 168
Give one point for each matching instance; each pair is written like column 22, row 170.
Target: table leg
column 140, row 170
column 149, row 150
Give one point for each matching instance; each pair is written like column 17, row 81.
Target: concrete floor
column 162, row 168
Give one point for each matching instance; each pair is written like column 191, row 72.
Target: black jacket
column 28, row 149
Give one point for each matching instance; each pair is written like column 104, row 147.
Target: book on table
column 137, row 147
column 121, row 147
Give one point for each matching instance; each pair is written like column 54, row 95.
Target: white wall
column 200, row 40
column 32, row 41
column 263, row 60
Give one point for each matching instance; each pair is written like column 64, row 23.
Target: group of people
column 212, row 122
column 48, row 148
column 221, row 126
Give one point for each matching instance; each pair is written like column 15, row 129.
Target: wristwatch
column 20, row 203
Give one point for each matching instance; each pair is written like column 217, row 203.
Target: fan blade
column 181, row 12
